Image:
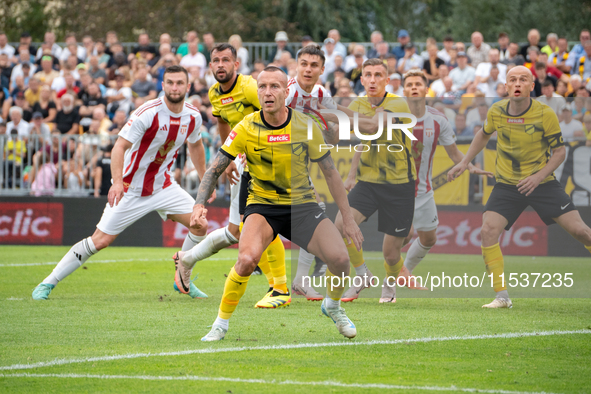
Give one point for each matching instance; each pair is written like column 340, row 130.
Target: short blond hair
column 414, row 73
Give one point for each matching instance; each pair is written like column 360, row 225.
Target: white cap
column 395, row 76
column 281, row 36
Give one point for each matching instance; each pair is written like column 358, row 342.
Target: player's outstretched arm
column 478, row 143
column 206, row 188
column 197, row 153
column 117, row 156
column 456, row 156
column 333, row 179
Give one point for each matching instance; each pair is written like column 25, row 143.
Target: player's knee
column 583, row 234
column 101, row 242
column 429, row 240
column 247, row 262
column 490, row 234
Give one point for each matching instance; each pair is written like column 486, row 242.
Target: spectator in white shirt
column 463, row 75
column 572, row 129
column 242, row 53
column 551, row 99
column 17, row 123
column 350, row 63
column 24, row 57
column 194, row 59
column 49, row 41
column 72, row 48
column 410, row 60
column 5, row 47
column 483, row 71
column 443, row 54
column 119, row 99
column 330, row 53
column 339, row 47
column 394, row 86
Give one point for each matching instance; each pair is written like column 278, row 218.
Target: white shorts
column 425, row 218
column 170, row 201
column 235, row 195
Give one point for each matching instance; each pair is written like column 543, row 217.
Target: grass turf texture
column 129, row 307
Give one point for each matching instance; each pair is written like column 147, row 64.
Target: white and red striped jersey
column 299, row 99
column 156, row 134
column 432, row 128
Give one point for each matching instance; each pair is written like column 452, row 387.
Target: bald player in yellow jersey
column 529, row 149
column 281, row 198
column 234, row 97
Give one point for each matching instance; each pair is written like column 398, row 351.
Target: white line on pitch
column 283, row 347
column 329, row 383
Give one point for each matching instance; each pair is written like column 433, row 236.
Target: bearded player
column 529, row 149
column 142, row 182
column 233, row 97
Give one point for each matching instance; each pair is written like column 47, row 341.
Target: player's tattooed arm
column 211, row 176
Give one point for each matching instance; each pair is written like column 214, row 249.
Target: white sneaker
column 388, row 291
column 353, row 292
column 307, row 291
column 217, row 333
column 340, row 319
column 499, row 303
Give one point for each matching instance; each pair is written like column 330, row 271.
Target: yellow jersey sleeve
column 552, row 132
column 251, row 93
column 235, row 144
column 489, row 124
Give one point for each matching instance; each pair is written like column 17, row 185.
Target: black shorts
column 295, row 222
column 243, row 196
column 395, row 205
column 549, row 200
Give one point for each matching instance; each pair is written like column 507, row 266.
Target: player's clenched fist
column 198, row 218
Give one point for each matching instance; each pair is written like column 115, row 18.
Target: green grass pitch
column 123, row 305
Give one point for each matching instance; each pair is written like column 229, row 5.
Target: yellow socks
column 394, row 270
column 275, row 255
column 355, row 256
column 493, row 258
column 264, row 266
column 233, row 290
column 334, row 293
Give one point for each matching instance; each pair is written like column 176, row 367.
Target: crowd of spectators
column 61, row 108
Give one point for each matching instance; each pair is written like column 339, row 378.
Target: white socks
column 224, row 323
column 213, row 243
column 191, row 240
column 361, row 270
column 332, row 304
column 305, row 260
column 415, row 254
column 75, row 257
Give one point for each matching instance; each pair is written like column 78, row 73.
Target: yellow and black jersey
column 524, row 141
column 241, row 100
column 377, row 164
column 277, row 157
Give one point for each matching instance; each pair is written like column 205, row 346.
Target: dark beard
column 175, row 101
column 229, row 76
